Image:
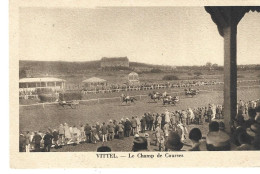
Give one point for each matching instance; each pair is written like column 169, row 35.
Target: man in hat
column 157, row 133
column 61, row 134
column 218, row 141
column 140, row 144
column 167, row 116
column 134, row 125
column 28, row 142
column 104, row 132
column 195, row 136
column 22, row 143
column 209, row 113
column 143, row 123
column 47, row 141
column 37, row 141
column 87, row 130
column 174, row 142
column 110, row 128
column 128, row 127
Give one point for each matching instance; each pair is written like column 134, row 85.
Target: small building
column 114, row 62
column 94, row 82
column 133, row 78
column 32, row 84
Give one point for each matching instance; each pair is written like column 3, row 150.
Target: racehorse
column 155, row 96
column 128, row 99
column 191, row 92
column 69, row 103
column 170, row 100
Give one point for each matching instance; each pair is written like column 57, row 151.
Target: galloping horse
column 170, row 100
column 127, row 99
column 191, row 92
column 155, row 96
column 69, row 103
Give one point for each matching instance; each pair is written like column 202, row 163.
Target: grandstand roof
column 94, row 80
column 133, row 74
column 43, row 79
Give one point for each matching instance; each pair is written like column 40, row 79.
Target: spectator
column 146, row 135
column 195, row 136
column 28, row 141
column 67, row 132
column 213, row 126
column 143, row 123
column 22, row 143
column 127, row 127
column 104, row 149
column 245, row 141
column 134, row 125
column 110, row 128
column 61, row 134
column 87, row 130
column 140, row 144
column 209, row 113
column 47, row 142
column 174, row 142
column 120, row 130
column 218, row 141
column 55, row 137
column 104, row 132
column 37, row 141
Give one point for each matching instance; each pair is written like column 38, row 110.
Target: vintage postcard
column 134, row 84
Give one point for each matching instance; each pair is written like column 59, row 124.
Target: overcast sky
column 165, row 35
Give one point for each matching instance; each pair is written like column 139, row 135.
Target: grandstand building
column 114, row 62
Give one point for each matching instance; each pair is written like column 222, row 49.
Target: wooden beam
column 230, row 75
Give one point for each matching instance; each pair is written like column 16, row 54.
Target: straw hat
column 253, row 130
column 218, row 140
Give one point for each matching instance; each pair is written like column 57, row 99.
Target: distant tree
column 208, row 65
column 170, row 77
column 22, row 73
column 214, row 66
column 197, row 73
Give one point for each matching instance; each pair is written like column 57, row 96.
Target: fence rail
column 98, row 100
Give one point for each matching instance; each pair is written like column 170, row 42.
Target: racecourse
column 35, row 118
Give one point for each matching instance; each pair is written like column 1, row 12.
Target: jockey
column 165, row 94
column 128, row 97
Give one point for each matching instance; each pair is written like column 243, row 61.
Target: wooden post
column 230, row 74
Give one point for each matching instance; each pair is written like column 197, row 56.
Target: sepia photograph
column 137, row 79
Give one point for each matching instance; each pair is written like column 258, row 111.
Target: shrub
column 197, row 73
column 47, row 97
column 189, row 74
column 170, row 77
column 156, row 70
column 67, row 96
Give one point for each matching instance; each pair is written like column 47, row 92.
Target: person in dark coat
column 143, row 123
column 87, row 130
column 147, row 121
column 37, row 141
column 47, row 142
column 128, row 127
column 151, row 122
column 209, row 114
column 22, row 143
column 134, row 126
column 55, row 134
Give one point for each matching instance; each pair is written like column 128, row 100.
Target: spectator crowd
column 168, row 131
